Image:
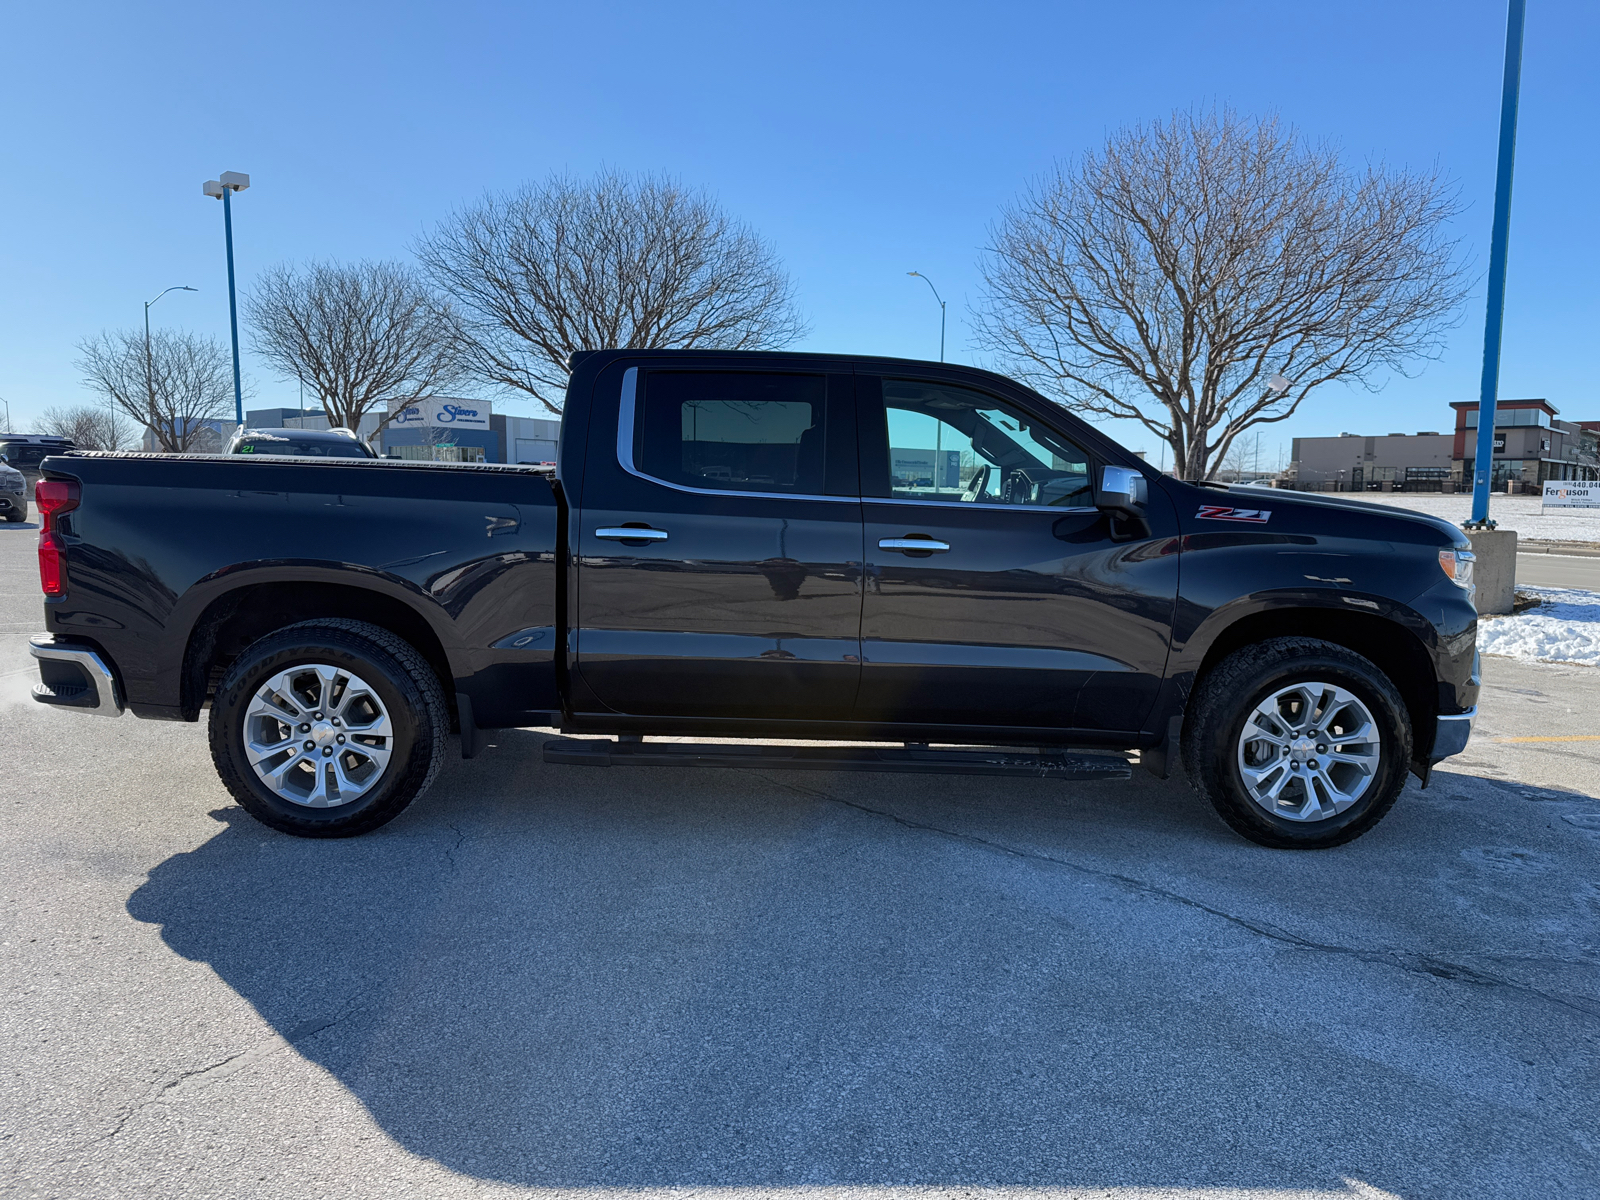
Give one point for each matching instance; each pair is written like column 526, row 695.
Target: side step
column 1046, row 764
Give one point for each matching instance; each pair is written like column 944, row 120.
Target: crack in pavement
column 181, row 1084
column 1410, row 961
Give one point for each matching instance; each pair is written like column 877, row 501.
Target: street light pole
column 222, row 188
column 149, row 384
column 940, row 299
column 149, row 366
column 1483, row 466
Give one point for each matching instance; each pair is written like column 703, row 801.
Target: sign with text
column 1566, row 494
column 444, row 412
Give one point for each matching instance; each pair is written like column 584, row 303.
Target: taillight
column 54, row 497
column 50, row 574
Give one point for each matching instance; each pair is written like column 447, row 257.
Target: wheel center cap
column 323, row 733
column 1302, row 749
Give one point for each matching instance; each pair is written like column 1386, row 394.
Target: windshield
column 342, row 448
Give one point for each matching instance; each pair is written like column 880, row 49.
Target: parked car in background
column 301, row 443
column 25, row 451
column 13, row 494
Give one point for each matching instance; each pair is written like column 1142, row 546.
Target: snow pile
column 1564, row 628
column 1509, row 512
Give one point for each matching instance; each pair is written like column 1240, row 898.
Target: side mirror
column 1123, row 492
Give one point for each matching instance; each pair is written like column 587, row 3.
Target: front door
column 996, row 594
column 719, row 543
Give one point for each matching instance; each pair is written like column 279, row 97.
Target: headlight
column 1457, row 564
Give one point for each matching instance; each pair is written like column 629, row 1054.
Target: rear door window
column 732, row 431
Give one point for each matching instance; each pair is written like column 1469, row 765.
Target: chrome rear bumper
column 74, row 677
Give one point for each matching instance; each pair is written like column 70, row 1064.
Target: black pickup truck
column 784, row 548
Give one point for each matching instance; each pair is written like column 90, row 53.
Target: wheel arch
column 1388, row 644
column 234, row 619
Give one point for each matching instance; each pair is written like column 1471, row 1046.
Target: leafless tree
column 1169, row 276
column 90, row 426
column 613, row 262
column 171, row 384
column 365, row 337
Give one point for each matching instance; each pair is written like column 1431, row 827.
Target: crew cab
column 929, row 559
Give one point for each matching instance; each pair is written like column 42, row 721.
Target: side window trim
column 627, row 409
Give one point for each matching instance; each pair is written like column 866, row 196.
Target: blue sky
column 863, row 140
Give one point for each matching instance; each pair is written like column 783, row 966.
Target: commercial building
column 527, row 439
column 444, row 429
column 1531, row 445
column 1391, row 462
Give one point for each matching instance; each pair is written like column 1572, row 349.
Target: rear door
column 719, row 543
column 996, row 593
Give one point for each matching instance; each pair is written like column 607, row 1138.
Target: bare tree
column 614, row 262
column 171, row 385
column 90, row 426
column 1169, row 276
column 365, row 337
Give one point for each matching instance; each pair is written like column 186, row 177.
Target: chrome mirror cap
column 1122, row 491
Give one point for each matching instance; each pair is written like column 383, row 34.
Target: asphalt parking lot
column 557, row 981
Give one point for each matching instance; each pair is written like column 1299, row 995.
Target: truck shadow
column 634, row 978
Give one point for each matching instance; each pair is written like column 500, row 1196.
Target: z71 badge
column 1219, row 512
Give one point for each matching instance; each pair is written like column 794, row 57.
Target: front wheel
column 1298, row 743
column 328, row 728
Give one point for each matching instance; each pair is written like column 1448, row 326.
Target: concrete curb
column 1574, row 549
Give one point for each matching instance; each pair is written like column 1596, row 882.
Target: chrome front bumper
column 74, row 677
column 1452, row 734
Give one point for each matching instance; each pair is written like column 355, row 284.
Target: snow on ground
column 1564, row 628
column 1510, row 512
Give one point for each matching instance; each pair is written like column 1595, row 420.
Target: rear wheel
column 1298, row 743
column 328, row 728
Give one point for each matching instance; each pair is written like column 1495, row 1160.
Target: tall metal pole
column 233, row 305
column 1487, row 393
column 940, row 299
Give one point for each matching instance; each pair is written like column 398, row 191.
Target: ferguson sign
column 1565, row 494
column 444, row 412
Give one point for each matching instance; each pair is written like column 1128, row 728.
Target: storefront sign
column 1566, row 494
column 444, row 413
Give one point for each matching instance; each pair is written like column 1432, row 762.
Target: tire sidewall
column 1394, row 752
column 401, row 700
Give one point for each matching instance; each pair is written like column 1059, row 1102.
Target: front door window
column 952, row 444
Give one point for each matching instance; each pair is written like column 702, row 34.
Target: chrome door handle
column 621, row 533
column 912, row 543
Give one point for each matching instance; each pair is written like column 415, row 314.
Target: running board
column 1049, row 764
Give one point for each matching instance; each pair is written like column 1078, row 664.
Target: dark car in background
column 20, row 456
column 25, row 451
column 13, row 494
column 301, row 443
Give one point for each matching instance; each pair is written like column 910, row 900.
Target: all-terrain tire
column 1230, row 692
column 405, row 684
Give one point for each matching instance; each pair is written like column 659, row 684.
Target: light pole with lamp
column 940, row 299
column 149, row 364
column 222, row 188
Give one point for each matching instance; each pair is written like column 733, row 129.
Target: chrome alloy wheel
column 317, row 735
column 1309, row 751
